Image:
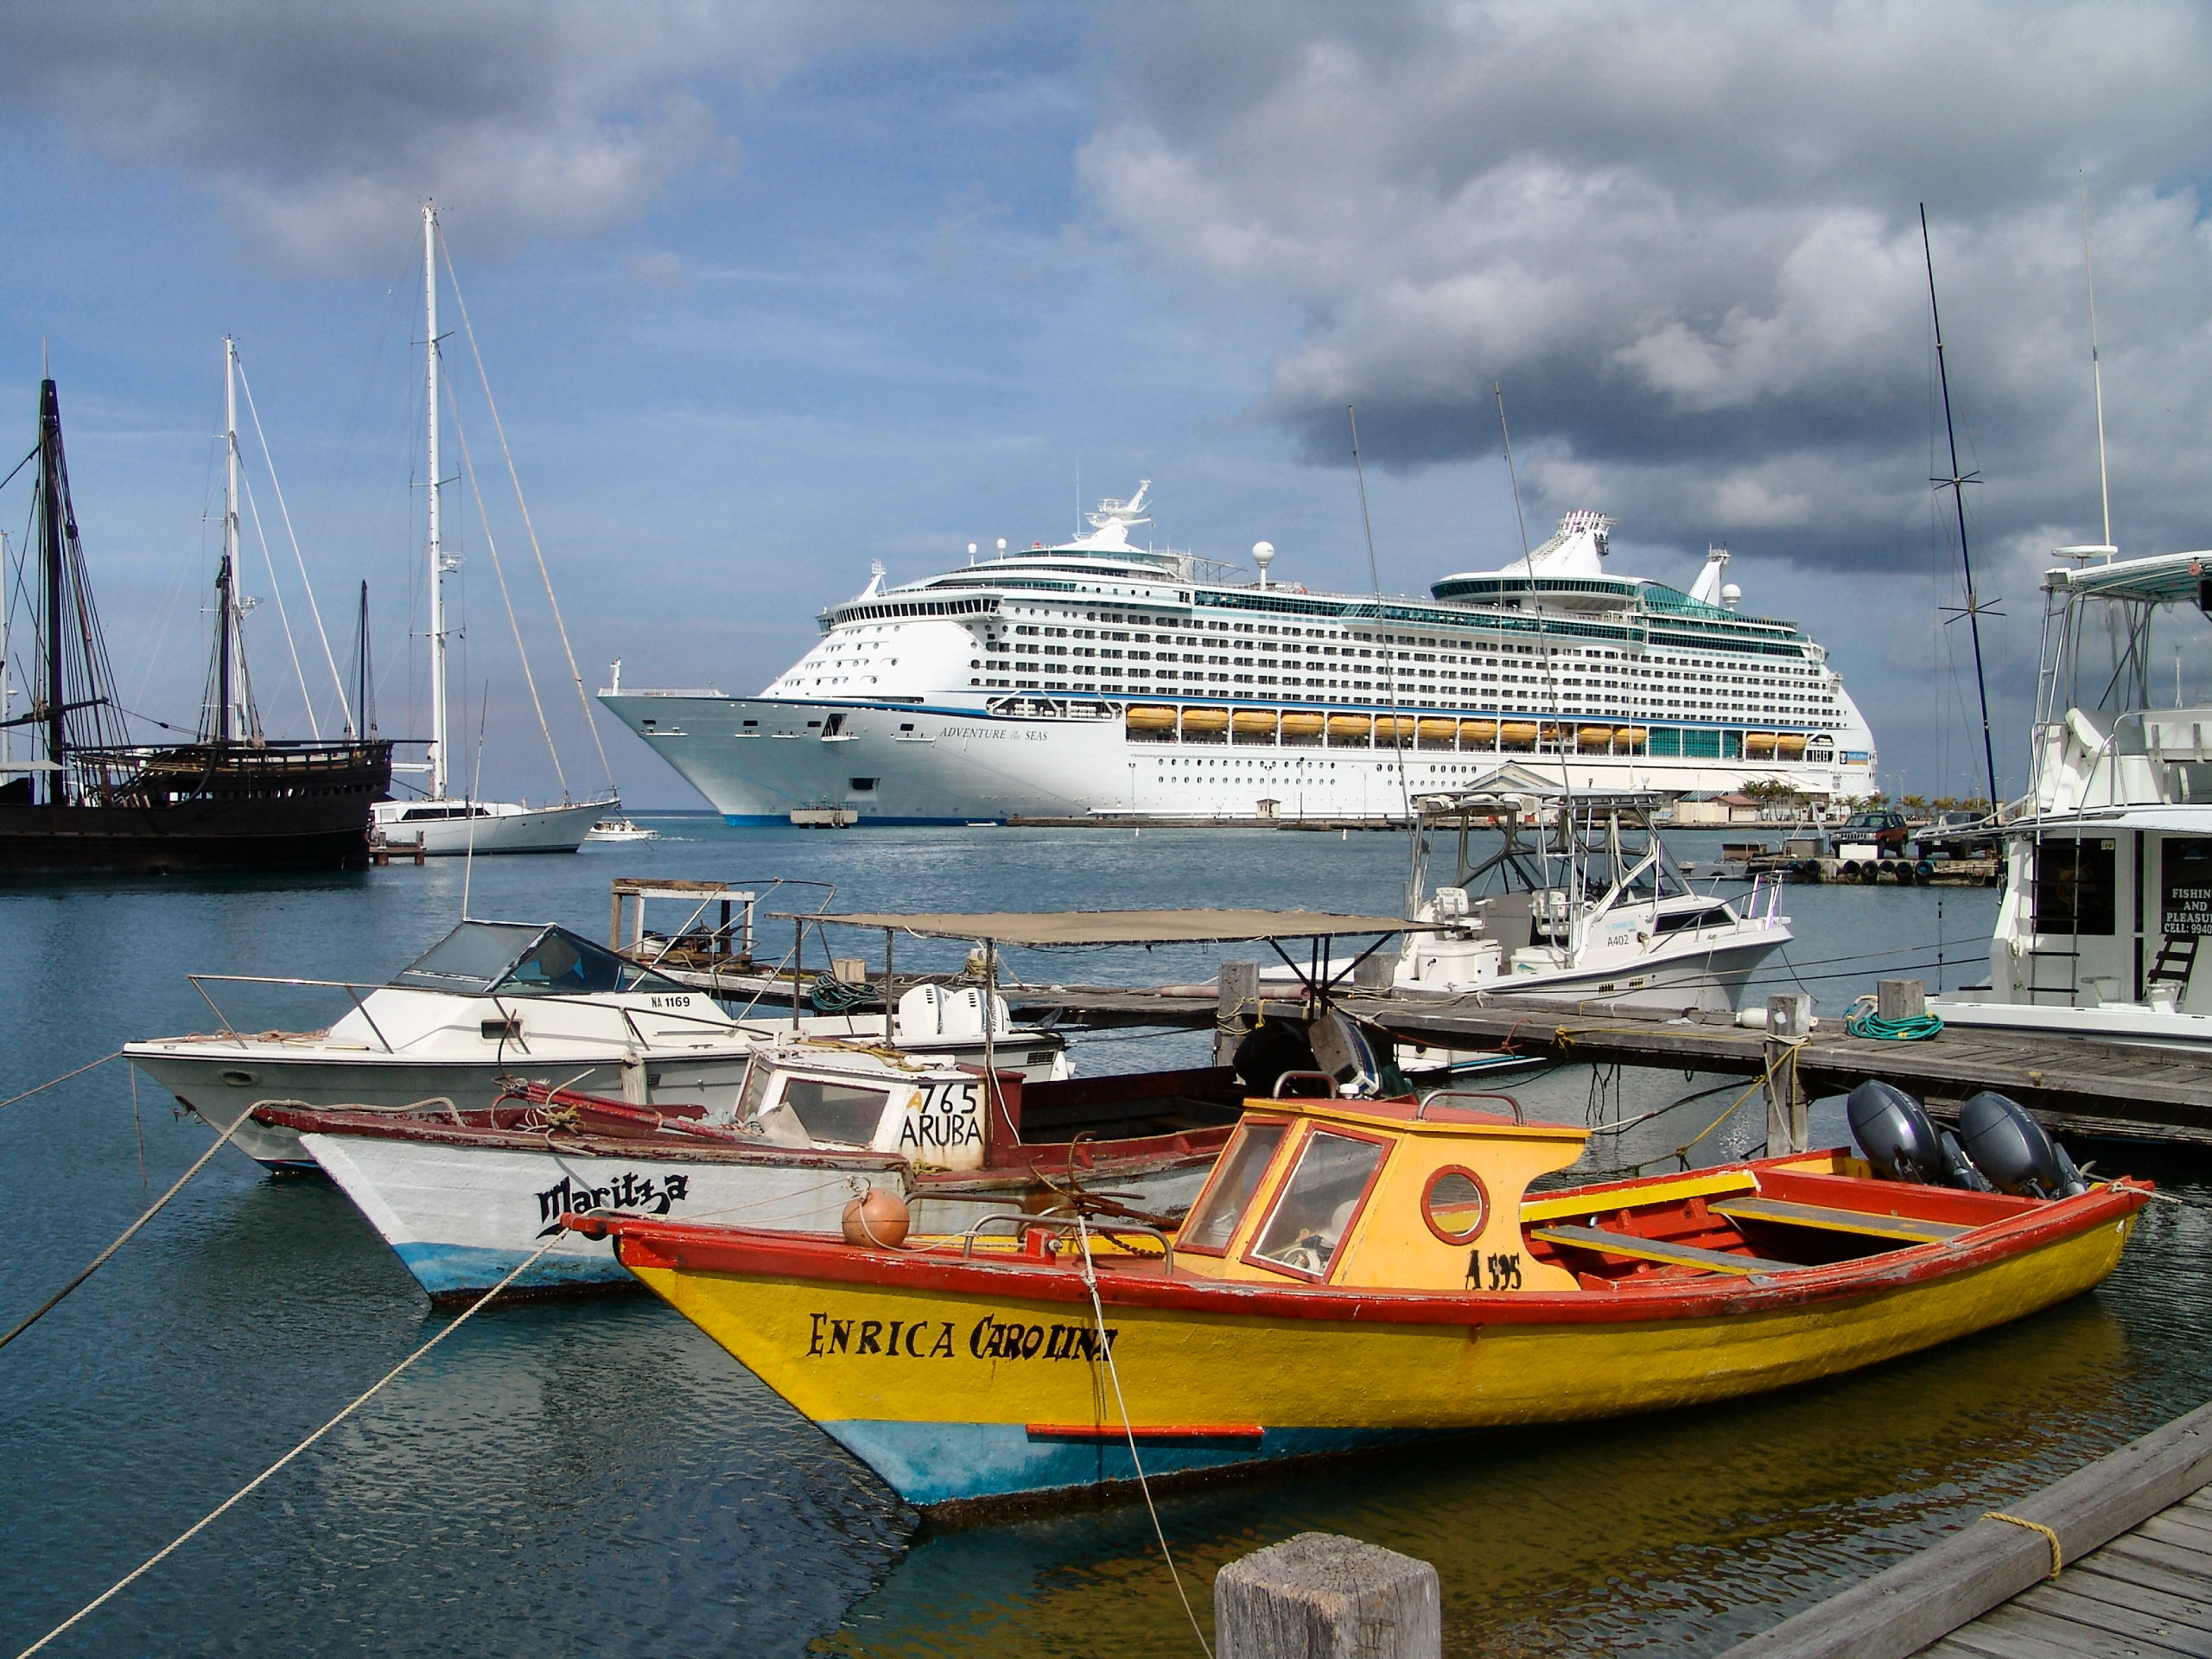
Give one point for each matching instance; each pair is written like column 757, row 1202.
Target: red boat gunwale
column 2031, row 1225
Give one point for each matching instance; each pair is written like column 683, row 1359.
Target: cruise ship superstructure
column 1098, row 678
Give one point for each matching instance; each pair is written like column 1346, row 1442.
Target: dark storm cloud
column 1684, row 239
column 319, row 128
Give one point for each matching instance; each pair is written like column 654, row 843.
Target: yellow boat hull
column 958, row 1380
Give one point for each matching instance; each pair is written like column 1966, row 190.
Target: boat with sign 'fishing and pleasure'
column 1362, row 1272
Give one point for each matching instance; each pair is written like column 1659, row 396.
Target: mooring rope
column 1098, row 1312
column 54, row 1300
column 215, row 1513
column 64, row 1077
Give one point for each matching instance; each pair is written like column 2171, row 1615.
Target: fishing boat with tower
column 88, row 799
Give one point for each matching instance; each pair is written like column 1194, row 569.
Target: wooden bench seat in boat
column 1657, row 1249
column 1904, row 1229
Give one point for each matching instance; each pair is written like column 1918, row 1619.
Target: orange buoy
column 879, row 1218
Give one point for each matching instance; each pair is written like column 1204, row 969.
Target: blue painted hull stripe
column 939, row 1463
column 458, row 1269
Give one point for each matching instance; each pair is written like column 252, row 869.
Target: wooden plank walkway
column 2134, row 1537
column 2110, row 1090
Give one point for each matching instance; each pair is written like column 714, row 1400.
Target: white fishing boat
column 434, row 823
column 2108, row 858
column 465, row 1199
column 1099, row 678
column 619, row 829
column 1576, row 897
column 493, row 1004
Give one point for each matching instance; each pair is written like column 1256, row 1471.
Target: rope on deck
column 1914, row 1028
column 215, row 1513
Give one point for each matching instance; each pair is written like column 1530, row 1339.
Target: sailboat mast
column 224, row 597
column 437, row 551
column 50, row 532
column 1958, row 501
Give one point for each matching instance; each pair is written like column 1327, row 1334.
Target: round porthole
column 1455, row 1204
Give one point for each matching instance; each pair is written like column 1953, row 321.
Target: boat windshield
column 1214, row 1222
column 1318, row 1201
column 523, row 959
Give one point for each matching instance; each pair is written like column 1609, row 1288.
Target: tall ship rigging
column 1096, row 678
column 88, row 799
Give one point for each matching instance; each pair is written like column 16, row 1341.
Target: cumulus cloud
column 1686, row 241
column 318, row 129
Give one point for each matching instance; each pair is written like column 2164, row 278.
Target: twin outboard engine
column 2015, row 1151
column 1903, row 1143
column 2004, row 1149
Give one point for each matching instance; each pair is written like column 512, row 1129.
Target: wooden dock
column 2114, row 1560
column 2102, row 1091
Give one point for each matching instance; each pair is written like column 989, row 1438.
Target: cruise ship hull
column 758, row 760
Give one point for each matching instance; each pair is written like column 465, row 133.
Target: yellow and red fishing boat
column 1360, row 1273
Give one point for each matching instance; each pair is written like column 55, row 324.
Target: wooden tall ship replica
column 233, row 799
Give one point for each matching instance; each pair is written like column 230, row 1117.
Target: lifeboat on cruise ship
column 1149, row 717
column 1253, row 722
column 1518, row 733
column 1438, row 734
column 1300, row 727
column 1595, row 737
column 1759, row 745
column 1791, row 746
column 1204, row 723
column 1356, row 1274
column 1388, row 727
column 1631, row 737
column 1478, row 731
column 1350, row 729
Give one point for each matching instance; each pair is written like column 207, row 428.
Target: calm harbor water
column 600, row 1478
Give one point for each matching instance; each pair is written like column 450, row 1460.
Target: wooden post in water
column 1789, row 1023
column 1316, row 1596
column 1239, row 1008
column 1900, row 998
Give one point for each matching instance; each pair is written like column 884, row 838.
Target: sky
column 764, row 292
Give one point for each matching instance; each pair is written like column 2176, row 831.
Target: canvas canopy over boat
column 1359, row 1274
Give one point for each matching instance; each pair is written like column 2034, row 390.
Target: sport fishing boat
column 2108, row 859
column 1095, row 677
column 494, row 1003
column 1363, row 1272
column 466, row 1197
column 1576, row 897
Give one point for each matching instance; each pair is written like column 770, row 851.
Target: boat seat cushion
column 1657, row 1249
column 1904, row 1229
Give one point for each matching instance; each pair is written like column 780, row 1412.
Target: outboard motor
column 1896, row 1134
column 1269, row 1049
column 1345, row 1054
column 2015, row 1152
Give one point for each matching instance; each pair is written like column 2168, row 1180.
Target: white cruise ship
column 1096, row 678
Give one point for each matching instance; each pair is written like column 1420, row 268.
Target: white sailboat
column 439, row 824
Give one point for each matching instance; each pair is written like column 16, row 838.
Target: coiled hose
column 830, row 994
column 1914, row 1028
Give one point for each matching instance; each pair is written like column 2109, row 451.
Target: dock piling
column 1789, row 1023
column 1239, row 1008
column 1317, row 1596
column 1900, row 998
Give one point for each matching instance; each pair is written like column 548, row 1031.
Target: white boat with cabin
column 493, row 1004
column 1576, row 897
column 2108, row 859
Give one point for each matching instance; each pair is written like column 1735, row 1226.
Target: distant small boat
column 1356, row 1274
column 620, row 830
